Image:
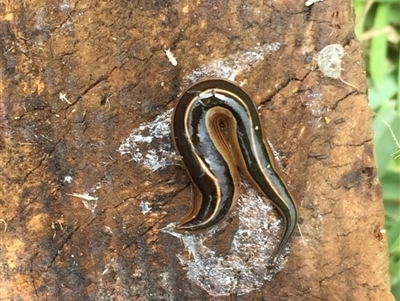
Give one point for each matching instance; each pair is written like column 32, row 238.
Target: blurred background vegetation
column 378, row 29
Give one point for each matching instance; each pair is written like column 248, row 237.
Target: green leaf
column 386, row 91
column 385, row 144
column 378, row 50
column 398, row 81
column 391, row 187
column 394, row 14
column 394, row 249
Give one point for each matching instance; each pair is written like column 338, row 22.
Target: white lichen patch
column 146, row 208
column 65, row 6
column 330, row 60
column 150, row 143
column 234, row 64
column 313, row 101
column 68, row 179
column 246, row 266
column 330, row 63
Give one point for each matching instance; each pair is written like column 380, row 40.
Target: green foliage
column 378, row 28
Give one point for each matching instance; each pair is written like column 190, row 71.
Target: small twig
column 387, row 30
column 63, row 97
column 392, row 133
column 301, row 234
column 8, row 50
column 5, row 224
column 346, row 83
column 83, row 196
column 171, row 57
column 367, row 6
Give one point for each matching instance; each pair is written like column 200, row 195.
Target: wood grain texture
column 61, row 61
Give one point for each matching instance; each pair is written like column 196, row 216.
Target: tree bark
column 80, row 221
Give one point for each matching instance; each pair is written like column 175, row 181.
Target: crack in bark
column 345, row 234
column 32, row 278
column 346, row 270
column 353, row 92
column 354, row 144
column 92, row 85
column 60, row 249
column 41, row 161
column 157, row 223
column 125, row 200
column 281, row 86
column 175, row 193
column 102, row 78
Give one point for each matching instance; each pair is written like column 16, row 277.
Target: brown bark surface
column 60, row 131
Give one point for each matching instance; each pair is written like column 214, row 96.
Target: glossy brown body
column 216, row 129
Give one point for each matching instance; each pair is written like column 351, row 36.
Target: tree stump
column 89, row 180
